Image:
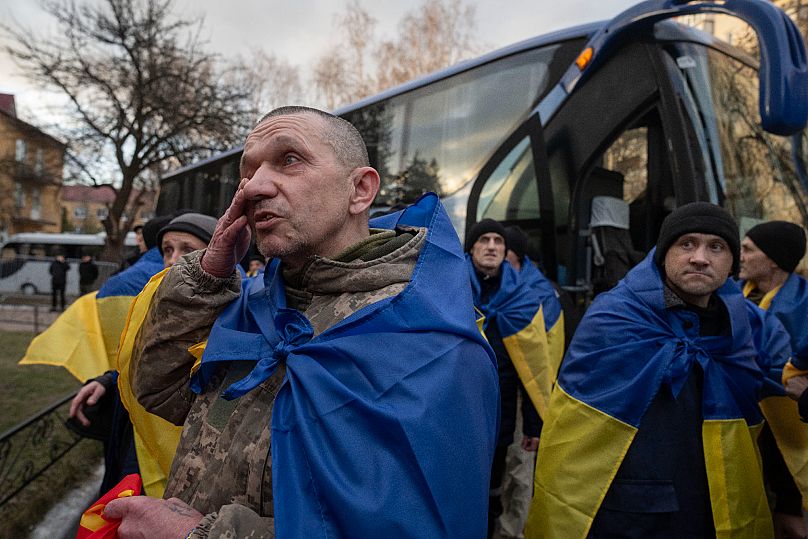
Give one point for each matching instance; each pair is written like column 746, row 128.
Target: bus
column 642, row 112
column 25, row 260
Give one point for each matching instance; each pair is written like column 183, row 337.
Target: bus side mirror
column 783, row 62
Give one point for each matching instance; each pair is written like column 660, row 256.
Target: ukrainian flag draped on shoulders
column 386, row 422
column 789, row 305
column 551, row 311
column 84, row 339
column 519, row 316
column 627, row 346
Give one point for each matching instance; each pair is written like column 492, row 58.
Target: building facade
column 85, row 207
column 31, row 163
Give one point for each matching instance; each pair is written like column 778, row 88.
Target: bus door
column 609, row 139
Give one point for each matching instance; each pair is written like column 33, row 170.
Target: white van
column 25, row 260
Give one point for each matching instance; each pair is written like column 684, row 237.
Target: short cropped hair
column 341, row 135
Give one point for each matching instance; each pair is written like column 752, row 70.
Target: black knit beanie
column 152, row 227
column 196, row 224
column 484, row 227
column 699, row 217
column 516, row 239
column 782, row 241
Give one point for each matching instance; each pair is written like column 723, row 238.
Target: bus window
column 10, row 251
column 511, row 193
column 638, row 156
column 435, row 138
column 628, row 155
column 38, row 251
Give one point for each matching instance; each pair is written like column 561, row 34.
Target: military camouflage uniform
column 223, row 467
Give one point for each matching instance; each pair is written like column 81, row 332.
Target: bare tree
column 271, row 81
column 438, row 34
column 143, row 95
column 341, row 77
column 435, row 35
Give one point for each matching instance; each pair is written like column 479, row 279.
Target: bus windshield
column 752, row 173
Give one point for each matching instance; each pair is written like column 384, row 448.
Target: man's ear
column 365, row 185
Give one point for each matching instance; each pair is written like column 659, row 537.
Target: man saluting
column 341, row 395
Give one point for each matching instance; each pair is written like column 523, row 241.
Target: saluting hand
column 231, row 239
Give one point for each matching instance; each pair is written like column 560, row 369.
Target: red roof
column 7, row 104
column 85, row 193
column 103, row 194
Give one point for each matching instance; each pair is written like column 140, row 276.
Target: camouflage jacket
column 223, row 466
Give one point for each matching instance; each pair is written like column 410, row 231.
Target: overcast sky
column 299, row 31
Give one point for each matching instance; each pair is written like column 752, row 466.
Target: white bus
column 25, row 260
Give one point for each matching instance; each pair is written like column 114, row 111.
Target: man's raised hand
column 231, row 239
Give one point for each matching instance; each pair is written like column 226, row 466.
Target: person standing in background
column 58, row 271
column 88, row 273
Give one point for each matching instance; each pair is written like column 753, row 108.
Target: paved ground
column 62, row 521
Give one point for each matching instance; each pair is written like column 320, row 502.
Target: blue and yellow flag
column 74, row 341
column 519, row 316
column 627, row 346
column 789, row 304
column 551, row 311
column 386, row 422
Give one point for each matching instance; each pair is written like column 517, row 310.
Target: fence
column 33, row 446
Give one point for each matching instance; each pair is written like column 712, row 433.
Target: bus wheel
column 28, row 289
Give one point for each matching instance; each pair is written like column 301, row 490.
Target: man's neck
column 487, row 272
column 771, row 281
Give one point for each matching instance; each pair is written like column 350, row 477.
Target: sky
column 301, row 30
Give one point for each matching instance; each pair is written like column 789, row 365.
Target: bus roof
column 664, row 30
column 65, row 238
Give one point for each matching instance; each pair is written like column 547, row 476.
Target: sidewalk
column 20, row 317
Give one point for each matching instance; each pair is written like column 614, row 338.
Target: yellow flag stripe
column 580, row 451
column 740, row 507
column 156, row 439
column 791, row 436
column 530, row 354
column 74, row 341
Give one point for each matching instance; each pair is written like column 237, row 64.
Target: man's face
column 298, row 191
column 514, row 260
column 697, row 265
column 488, row 252
column 255, row 265
column 176, row 244
column 755, row 265
column 141, row 244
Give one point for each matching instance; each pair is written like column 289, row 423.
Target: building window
column 80, row 212
column 36, row 203
column 19, row 195
column 39, row 162
column 19, row 154
column 101, row 213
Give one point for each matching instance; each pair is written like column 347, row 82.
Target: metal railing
column 21, row 313
column 33, row 446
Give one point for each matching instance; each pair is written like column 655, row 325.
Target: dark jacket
column 88, row 272
column 58, row 271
